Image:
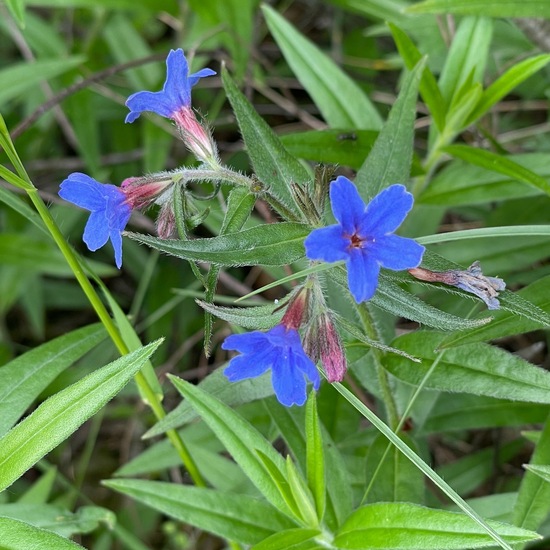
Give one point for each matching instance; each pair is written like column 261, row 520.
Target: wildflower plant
column 305, row 421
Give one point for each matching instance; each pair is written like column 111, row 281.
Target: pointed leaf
column 315, row 458
column 492, row 8
column 240, row 439
column 340, row 100
column 429, row 90
column 477, row 368
column 390, row 159
column 399, row 525
column 498, row 163
column 292, row 539
column 273, row 164
column 63, row 413
column 270, row 244
column 17, row 535
column 241, row 518
column 24, row 378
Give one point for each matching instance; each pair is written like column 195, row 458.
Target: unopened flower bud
column 142, row 192
column 296, row 310
column 322, row 343
column 166, row 221
column 197, row 139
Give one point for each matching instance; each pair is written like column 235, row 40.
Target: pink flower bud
column 296, row 311
column 166, row 221
column 197, row 139
column 141, row 192
column 322, row 343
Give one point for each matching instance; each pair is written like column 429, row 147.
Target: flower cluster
column 111, row 206
column 364, row 238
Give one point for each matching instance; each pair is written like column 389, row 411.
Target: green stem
column 101, row 311
column 383, row 380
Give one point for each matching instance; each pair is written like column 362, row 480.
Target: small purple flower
column 109, row 209
column 176, row 93
column 363, row 236
column 280, row 350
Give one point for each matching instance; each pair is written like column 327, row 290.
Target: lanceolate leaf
column 240, row 439
column 241, row 518
column 478, row 368
column 390, row 159
column 63, row 413
column 492, row 8
column 429, row 90
column 506, row 83
column 340, row 100
column 399, row 525
column 499, row 164
column 273, row 164
column 257, row 317
column 17, row 535
column 269, row 244
column 24, row 378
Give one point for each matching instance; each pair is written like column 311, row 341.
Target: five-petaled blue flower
column 109, row 208
column 176, row 93
column 363, row 236
column 279, row 349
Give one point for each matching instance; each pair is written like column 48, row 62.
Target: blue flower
column 176, row 93
column 363, row 236
column 280, row 350
column 109, row 209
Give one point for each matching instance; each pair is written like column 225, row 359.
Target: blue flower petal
column 327, row 243
column 96, row 232
column 279, row 349
column 249, row 342
column 83, row 191
column 195, row 77
column 396, row 253
column 175, row 94
column 288, row 382
column 245, row 366
column 116, row 240
column 386, row 212
column 363, row 273
column 347, row 205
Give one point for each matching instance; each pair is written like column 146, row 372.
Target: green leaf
column 491, row 8
column 41, row 256
column 315, row 458
column 240, row 518
column 392, row 298
column 216, row 384
column 20, row 77
column 467, row 56
column 257, row 317
column 397, row 525
column 168, row 6
column 391, row 477
column 429, row 90
column 348, row 148
column 390, row 159
column 239, row 206
column 340, row 100
column 533, row 502
column 241, row 439
column 17, row 9
column 273, row 164
column 21, row 207
column 541, row 471
column 59, row 520
column 470, row 412
column 498, row 163
column 477, row 368
column 461, row 183
column 386, row 10
column 268, row 244
column 24, row 378
column 17, row 535
column 63, row 413
column 292, row 539
column 506, row 322
column 506, row 83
